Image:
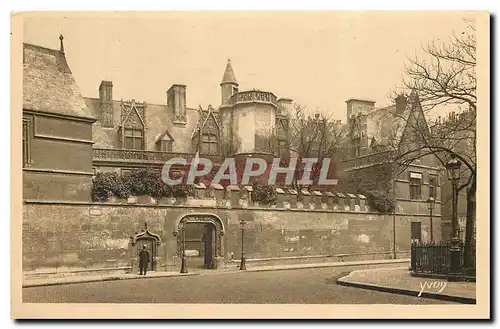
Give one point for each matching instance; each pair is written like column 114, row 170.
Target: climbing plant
column 263, row 194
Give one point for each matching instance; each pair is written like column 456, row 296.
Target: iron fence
column 435, row 258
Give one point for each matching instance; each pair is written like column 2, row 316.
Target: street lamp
column 242, row 264
column 453, row 171
column 431, row 204
column 183, row 257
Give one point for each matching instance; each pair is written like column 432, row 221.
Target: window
column 432, row 186
column 209, row 144
column 415, row 186
column 416, row 231
column 282, row 148
column 134, row 139
column 26, row 142
column 235, row 90
column 166, row 146
column 356, row 147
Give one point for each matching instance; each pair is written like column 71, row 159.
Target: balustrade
column 368, row 160
column 141, row 155
column 254, row 95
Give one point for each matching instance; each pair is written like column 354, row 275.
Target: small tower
column 229, row 85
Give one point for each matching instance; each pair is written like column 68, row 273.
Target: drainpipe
column 394, row 219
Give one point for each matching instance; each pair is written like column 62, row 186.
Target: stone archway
column 203, row 218
column 151, row 241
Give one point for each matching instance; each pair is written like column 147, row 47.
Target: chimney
column 401, row 102
column 285, row 105
column 357, row 106
column 176, row 100
column 106, row 103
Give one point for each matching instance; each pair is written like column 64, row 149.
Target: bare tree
column 303, row 136
column 447, row 77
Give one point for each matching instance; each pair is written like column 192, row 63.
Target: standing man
column 143, row 260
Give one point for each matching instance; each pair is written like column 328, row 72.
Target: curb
column 113, row 278
column 464, row 300
column 340, row 264
column 283, row 268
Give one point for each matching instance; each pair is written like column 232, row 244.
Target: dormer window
column 209, row 144
column 166, row 146
column 165, row 142
column 134, row 139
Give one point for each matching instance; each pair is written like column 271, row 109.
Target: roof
column 48, row 84
column 386, row 126
column 360, row 100
column 229, row 76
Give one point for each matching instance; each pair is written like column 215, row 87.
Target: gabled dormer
column 132, row 125
column 164, row 142
column 206, row 135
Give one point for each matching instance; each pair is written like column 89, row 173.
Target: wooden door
column 152, row 250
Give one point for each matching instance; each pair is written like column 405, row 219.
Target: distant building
column 459, row 127
column 375, row 135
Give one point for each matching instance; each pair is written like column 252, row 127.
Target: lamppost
column 242, row 264
column 183, row 257
column 453, row 171
column 431, row 204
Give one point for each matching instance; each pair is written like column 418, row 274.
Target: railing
column 369, row 159
column 254, row 96
column 435, row 258
column 150, row 156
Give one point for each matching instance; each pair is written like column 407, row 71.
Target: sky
column 318, row 59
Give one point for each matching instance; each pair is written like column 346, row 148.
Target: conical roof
column 229, row 74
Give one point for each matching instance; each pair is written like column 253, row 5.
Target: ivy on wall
column 263, row 194
column 139, row 182
column 106, row 185
column 380, row 201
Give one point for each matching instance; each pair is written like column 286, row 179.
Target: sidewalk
column 128, row 276
column 398, row 280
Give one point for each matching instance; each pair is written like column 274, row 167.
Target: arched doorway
column 210, row 231
column 151, row 241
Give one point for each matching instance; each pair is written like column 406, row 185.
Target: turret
column 229, row 85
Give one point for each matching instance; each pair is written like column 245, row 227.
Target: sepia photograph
column 176, row 164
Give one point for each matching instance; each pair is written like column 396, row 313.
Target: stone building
column 457, row 127
column 67, row 137
column 375, row 137
column 56, row 129
column 133, row 134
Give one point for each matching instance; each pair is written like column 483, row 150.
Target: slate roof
column 48, row 84
column 385, row 127
column 229, row 76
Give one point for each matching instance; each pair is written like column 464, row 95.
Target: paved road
column 310, row 286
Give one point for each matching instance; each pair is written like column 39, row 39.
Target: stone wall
column 86, row 236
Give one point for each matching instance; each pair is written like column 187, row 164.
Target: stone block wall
column 86, row 236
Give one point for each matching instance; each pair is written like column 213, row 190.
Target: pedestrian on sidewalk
column 143, row 260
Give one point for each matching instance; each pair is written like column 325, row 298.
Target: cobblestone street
column 311, row 286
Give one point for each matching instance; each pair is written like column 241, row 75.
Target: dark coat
column 143, row 258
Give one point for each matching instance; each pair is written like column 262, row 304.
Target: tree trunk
column 469, row 226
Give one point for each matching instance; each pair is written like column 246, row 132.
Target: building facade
column 133, row 134
column 67, row 138
column 56, row 128
column 377, row 137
